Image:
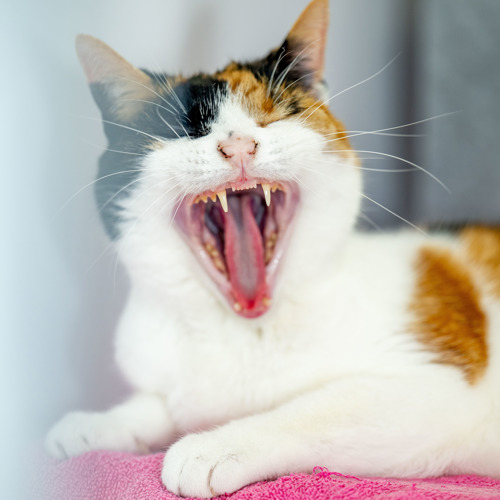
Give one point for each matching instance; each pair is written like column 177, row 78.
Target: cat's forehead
column 250, row 87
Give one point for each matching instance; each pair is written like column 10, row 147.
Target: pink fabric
column 122, row 476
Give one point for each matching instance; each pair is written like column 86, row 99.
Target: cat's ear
column 306, row 42
column 116, row 85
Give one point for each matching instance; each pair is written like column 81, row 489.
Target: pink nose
column 237, row 148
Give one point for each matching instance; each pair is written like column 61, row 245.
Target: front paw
column 79, row 432
column 210, row 464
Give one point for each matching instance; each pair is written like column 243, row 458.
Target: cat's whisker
column 176, row 97
column 300, row 182
column 102, row 148
column 167, row 124
column 410, row 124
column 107, row 247
column 289, row 85
column 418, row 167
column 156, row 138
column 368, row 169
column 141, row 178
column 164, row 82
column 357, row 133
column 152, row 91
column 394, row 213
column 370, row 221
column 72, row 197
column 124, row 240
column 176, row 210
column 331, row 175
column 294, row 62
column 112, row 242
column 276, row 64
column 387, row 155
column 348, row 88
column 184, row 129
column 175, row 113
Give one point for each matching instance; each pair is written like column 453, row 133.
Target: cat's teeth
column 267, row 193
column 213, row 197
column 223, row 199
column 237, row 307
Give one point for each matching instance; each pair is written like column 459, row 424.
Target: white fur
column 328, row 377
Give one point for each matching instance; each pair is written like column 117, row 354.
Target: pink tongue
column 244, row 251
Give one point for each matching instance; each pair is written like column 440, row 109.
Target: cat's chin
column 239, row 233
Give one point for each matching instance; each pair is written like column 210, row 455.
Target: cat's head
column 247, row 165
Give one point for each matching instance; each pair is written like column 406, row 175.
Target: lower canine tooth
column 237, row 306
column 267, row 193
column 223, row 199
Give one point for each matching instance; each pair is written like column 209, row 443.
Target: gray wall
column 61, row 290
column 458, row 69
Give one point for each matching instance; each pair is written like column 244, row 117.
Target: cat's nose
column 237, row 149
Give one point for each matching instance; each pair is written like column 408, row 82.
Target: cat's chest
column 225, row 371
column 212, row 369
column 217, row 381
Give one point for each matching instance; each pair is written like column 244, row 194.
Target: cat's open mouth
column 239, row 235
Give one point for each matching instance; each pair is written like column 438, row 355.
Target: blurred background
column 61, row 290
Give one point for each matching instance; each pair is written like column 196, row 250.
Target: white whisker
column 102, row 148
column 141, row 178
column 370, row 221
column 295, row 61
column 151, row 90
column 136, row 221
column 71, row 198
column 394, row 213
column 418, row 167
column 349, row 88
column 270, row 83
column 166, row 123
column 175, row 113
column 290, row 84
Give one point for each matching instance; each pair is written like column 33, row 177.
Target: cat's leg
column 399, row 426
column 141, row 423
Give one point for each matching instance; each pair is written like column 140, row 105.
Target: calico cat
column 262, row 334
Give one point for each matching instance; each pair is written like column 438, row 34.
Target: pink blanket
column 122, row 476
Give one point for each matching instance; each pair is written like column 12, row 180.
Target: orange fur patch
column 482, row 246
column 449, row 319
column 265, row 110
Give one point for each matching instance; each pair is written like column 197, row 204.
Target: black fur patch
column 197, row 100
column 169, row 114
column 286, row 63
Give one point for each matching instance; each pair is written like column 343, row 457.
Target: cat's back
column 444, row 289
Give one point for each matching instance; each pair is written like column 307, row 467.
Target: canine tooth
column 267, row 193
column 237, row 306
column 223, row 199
column 266, row 302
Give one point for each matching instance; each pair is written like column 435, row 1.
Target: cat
column 263, row 335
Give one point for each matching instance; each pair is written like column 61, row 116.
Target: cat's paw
column 212, row 463
column 79, row 432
